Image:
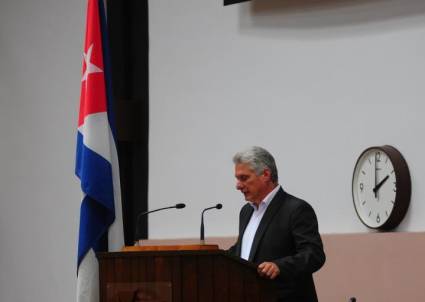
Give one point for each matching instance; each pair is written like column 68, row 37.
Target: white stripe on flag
column 88, row 278
column 95, row 132
column 116, row 230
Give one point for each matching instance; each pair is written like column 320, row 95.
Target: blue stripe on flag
column 95, row 220
column 95, row 174
column 107, row 67
column 97, row 209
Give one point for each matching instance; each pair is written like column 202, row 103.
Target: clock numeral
column 370, row 213
column 378, row 219
column 361, row 186
column 363, row 172
column 386, row 213
column 370, row 162
column 363, row 203
column 378, row 157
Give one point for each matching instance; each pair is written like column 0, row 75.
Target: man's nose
column 238, row 185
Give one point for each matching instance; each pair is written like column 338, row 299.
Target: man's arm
column 244, row 215
column 232, row 249
column 309, row 255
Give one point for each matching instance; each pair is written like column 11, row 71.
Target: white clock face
column 374, row 188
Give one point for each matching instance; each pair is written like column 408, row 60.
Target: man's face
column 254, row 187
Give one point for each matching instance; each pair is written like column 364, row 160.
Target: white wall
column 40, row 70
column 314, row 84
column 308, row 84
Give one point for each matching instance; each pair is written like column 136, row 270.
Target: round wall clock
column 381, row 187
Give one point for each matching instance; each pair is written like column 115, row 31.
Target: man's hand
column 268, row 270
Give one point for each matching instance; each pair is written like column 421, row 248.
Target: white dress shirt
column 254, row 222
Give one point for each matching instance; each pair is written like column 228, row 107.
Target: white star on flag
column 90, row 67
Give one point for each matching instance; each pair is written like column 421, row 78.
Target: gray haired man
column 277, row 231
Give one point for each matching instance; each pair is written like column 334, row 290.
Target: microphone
column 218, row 206
column 177, row 206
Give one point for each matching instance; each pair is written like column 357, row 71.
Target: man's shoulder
column 292, row 202
column 247, row 207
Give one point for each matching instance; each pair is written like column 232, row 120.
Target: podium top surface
column 180, row 247
column 166, row 250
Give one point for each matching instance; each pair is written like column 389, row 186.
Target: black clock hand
column 376, row 188
column 376, row 179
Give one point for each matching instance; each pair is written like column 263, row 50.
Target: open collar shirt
column 254, row 222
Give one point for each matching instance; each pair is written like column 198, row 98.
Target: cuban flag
column 96, row 159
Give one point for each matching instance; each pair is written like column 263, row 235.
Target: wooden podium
column 180, row 273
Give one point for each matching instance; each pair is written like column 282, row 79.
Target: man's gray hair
column 258, row 159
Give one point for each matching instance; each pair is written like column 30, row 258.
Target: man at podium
column 277, row 231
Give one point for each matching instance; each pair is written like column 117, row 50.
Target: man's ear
column 267, row 174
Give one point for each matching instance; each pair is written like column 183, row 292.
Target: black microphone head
column 180, row 206
column 219, row 206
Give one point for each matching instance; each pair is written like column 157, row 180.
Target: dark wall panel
column 128, row 33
